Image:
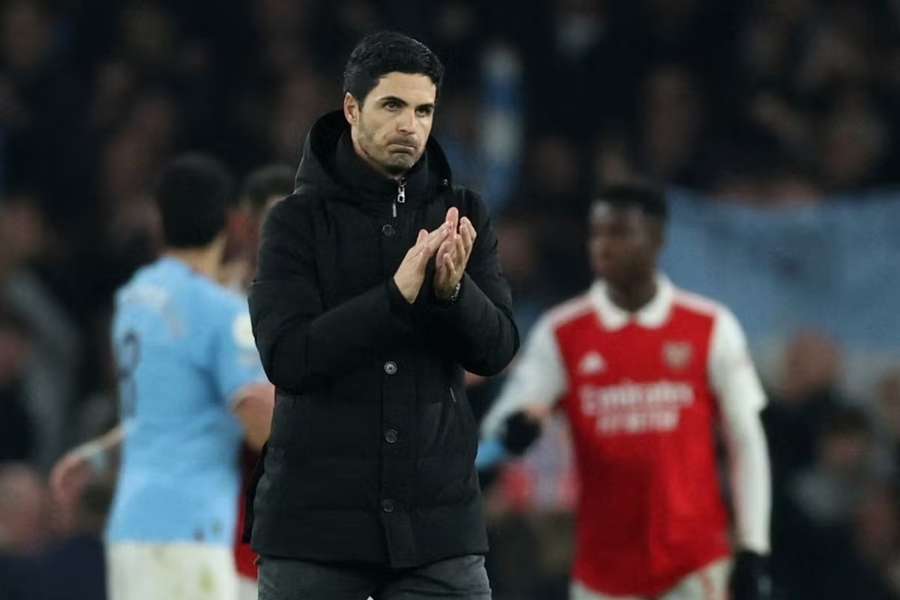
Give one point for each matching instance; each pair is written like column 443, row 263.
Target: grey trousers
column 288, row 579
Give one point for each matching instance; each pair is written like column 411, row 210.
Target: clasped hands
column 450, row 245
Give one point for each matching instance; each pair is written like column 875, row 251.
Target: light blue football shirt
column 183, row 347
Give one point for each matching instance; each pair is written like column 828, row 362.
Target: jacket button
column 391, row 436
column 388, row 230
column 390, row 367
column 387, row 505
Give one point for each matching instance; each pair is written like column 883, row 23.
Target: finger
column 444, row 268
column 466, row 224
column 454, row 265
column 425, row 240
column 431, row 244
column 445, row 247
column 450, row 266
column 461, row 251
column 467, row 244
column 452, row 217
column 468, row 231
column 61, row 473
column 435, row 239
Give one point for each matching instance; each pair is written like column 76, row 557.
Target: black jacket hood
column 330, row 166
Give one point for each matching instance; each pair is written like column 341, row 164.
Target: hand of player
column 750, row 578
column 453, row 254
column 522, row 429
column 410, row 274
column 69, row 476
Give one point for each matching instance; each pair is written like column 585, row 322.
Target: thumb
column 422, row 235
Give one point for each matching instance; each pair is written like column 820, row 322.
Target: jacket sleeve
column 479, row 326
column 300, row 343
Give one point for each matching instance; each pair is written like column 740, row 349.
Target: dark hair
column 385, row 52
column 194, row 193
column 265, row 182
column 651, row 200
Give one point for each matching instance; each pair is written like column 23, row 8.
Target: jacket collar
column 652, row 315
column 329, row 164
column 356, row 174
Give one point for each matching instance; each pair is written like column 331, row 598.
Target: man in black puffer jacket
column 378, row 284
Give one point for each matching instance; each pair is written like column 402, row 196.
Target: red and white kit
column 244, row 556
column 644, row 393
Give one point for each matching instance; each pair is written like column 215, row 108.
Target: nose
column 599, row 244
column 407, row 122
column 602, row 249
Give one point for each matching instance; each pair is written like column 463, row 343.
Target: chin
column 400, row 165
column 396, row 169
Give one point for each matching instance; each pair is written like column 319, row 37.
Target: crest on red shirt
column 591, row 364
column 678, row 355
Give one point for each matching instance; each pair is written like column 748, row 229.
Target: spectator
column 17, row 429
column 803, row 401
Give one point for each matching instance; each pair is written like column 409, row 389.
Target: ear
column 351, row 109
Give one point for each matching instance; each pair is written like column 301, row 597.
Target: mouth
column 404, row 147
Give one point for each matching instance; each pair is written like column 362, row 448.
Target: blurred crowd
column 771, row 104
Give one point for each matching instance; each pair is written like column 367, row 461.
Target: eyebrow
column 403, row 102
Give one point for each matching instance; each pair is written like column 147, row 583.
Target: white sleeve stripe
column 750, row 485
column 732, row 374
column 741, row 397
column 538, row 378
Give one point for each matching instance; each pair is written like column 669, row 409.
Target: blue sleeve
column 237, row 361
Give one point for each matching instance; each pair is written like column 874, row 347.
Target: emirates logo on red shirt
column 678, row 355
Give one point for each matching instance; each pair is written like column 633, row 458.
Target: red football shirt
column 244, row 556
column 643, row 394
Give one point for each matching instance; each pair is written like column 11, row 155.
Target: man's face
column 623, row 243
column 391, row 127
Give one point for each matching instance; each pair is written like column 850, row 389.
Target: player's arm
column 253, row 405
column 78, row 466
column 240, row 379
column 287, row 309
column 536, row 382
column 741, row 398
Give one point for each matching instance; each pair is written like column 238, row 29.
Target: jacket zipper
column 401, row 195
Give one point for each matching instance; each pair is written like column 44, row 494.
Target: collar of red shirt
column 652, row 315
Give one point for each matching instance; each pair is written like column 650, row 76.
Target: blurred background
column 774, row 124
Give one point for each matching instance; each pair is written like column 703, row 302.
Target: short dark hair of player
column 650, row 199
column 385, row 52
column 264, row 183
column 194, row 194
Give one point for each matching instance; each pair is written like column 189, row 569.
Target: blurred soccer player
column 191, row 388
column 645, row 373
column 262, row 189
